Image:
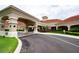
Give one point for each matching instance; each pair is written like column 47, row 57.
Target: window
column 14, row 26
column 10, row 25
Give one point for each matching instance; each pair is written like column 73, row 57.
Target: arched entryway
column 43, row 28
column 63, row 28
column 53, row 28
column 25, row 25
column 74, row 28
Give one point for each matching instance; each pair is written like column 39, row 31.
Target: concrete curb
column 18, row 46
column 26, row 35
column 77, row 37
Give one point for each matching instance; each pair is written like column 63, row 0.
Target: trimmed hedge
column 74, row 29
column 6, row 29
column 72, row 33
column 20, row 30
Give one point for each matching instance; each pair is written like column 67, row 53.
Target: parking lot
column 39, row 43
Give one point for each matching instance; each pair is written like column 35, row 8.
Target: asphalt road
column 39, row 43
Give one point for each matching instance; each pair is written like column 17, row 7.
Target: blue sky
column 51, row 8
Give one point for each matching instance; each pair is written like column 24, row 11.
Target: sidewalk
column 77, row 37
column 25, row 34
column 65, row 35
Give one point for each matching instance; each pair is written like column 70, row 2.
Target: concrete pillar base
column 8, row 34
column 2, row 33
column 36, row 31
column 68, row 28
column 11, row 34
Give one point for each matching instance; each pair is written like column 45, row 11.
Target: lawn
column 8, row 44
column 73, row 33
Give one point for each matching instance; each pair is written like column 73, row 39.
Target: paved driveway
column 39, row 43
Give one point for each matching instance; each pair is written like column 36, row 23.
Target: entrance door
column 30, row 29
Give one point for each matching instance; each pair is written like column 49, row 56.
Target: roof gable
column 11, row 8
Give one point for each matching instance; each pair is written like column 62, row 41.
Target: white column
column 12, row 28
column 56, row 27
column 36, row 28
column 25, row 31
column 68, row 27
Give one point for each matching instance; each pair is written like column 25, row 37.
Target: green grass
column 8, row 44
column 73, row 33
column 61, row 32
column 67, row 32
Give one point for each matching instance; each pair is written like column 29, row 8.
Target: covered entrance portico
column 25, row 25
column 17, row 21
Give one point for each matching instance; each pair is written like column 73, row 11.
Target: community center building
column 58, row 24
column 14, row 21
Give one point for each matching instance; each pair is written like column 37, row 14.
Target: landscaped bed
column 73, row 33
column 67, row 32
column 8, row 44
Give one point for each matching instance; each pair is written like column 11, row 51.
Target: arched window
column 4, row 18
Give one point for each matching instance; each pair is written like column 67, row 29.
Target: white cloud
column 40, row 2
column 51, row 8
column 52, row 11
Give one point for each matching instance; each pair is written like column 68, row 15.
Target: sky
column 54, row 9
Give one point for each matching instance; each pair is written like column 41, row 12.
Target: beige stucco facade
column 13, row 16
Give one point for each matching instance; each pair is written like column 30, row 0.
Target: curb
column 18, row 48
column 27, row 35
column 76, row 37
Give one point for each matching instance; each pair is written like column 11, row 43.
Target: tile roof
column 72, row 18
column 69, row 19
column 51, row 21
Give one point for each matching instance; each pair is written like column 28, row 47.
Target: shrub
column 59, row 29
column 74, row 29
column 6, row 29
column 20, row 30
column 73, row 33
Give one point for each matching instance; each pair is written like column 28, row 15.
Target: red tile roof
column 73, row 18
column 51, row 21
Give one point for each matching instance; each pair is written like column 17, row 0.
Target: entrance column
column 36, row 28
column 56, row 27
column 12, row 27
column 68, row 27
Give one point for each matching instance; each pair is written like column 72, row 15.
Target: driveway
column 39, row 43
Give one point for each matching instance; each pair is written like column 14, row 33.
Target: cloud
column 52, row 11
column 39, row 2
column 67, row 11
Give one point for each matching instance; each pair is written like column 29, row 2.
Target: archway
column 25, row 25
column 63, row 28
column 74, row 28
column 53, row 28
